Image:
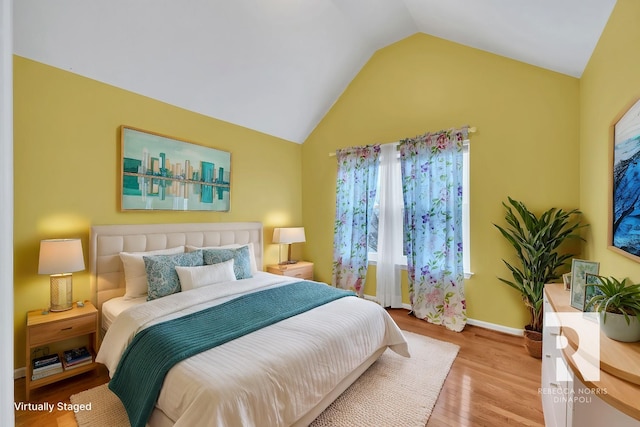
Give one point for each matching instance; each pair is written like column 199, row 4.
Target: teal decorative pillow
column 162, row 278
column 240, row 256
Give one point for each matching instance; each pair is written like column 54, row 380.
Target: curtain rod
column 470, row 130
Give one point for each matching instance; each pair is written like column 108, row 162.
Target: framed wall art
column 164, row 173
column 579, row 270
column 624, row 194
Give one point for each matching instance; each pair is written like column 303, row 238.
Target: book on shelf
column 47, row 368
column 78, row 361
column 45, row 365
column 45, row 361
column 46, row 372
column 77, row 364
column 76, row 356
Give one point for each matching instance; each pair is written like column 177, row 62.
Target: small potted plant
column 619, row 306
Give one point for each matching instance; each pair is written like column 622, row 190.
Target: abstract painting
column 624, row 221
column 164, row 173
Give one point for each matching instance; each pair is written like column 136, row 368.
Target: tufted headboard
column 107, row 241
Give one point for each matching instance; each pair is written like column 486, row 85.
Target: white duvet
column 271, row 377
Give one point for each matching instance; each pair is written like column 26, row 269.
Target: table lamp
column 60, row 258
column 287, row 236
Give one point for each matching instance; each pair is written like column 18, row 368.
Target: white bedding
column 112, row 309
column 269, row 377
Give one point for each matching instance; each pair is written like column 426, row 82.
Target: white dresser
column 568, row 399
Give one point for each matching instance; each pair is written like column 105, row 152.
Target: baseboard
column 495, row 327
column 19, row 373
column 473, row 322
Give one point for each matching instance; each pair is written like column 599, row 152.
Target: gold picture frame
column 159, row 172
column 624, row 187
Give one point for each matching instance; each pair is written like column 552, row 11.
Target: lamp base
column 61, row 292
column 55, row 310
column 288, row 260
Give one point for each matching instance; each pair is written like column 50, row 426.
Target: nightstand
column 301, row 270
column 55, row 327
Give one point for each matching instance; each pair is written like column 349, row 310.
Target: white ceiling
column 277, row 66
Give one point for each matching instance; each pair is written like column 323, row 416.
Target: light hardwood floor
column 493, row 382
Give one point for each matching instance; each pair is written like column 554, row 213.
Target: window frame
column 466, row 223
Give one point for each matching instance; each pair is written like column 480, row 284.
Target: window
column 373, row 232
column 399, row 207
column 466, row 227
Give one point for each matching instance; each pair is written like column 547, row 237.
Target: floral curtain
column 431, row 167
column 355, row 194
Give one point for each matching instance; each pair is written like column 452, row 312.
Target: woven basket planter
column 533, row 343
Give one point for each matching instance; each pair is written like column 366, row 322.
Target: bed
column 284, row 373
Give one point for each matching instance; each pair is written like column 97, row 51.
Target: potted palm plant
column 536, row 241
column 619, row 306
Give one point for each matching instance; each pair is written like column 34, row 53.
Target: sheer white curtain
column 388, row 291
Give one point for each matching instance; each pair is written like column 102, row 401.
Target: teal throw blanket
column 158, row 348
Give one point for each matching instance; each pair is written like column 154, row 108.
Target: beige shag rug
column 394, row 391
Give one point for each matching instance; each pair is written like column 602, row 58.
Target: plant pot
column 533, row 343
column 615, row 327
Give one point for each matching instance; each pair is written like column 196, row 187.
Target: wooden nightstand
column 301, row 270
column 54, row 327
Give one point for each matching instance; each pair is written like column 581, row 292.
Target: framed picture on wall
column 163, row 173
column 579, row 270
column 624, row 210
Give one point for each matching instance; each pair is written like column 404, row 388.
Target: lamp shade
column 288, row 235
column 60, row 256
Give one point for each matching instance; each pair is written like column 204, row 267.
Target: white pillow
column 135, row 275
column 252, row 254
column 196, row 277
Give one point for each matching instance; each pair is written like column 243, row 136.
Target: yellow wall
column 66, row 133
column 526, row 146
column 609, row 85
column 542, row 138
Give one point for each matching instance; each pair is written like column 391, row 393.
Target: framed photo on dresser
column 579, row 270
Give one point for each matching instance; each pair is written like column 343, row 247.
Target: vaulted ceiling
column 277, row 66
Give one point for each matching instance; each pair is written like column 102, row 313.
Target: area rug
column 394, row 391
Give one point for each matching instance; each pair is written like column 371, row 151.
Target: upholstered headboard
column 107, row 241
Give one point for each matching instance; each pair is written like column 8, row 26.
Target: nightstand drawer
column 62, row 329
column 302, row 270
